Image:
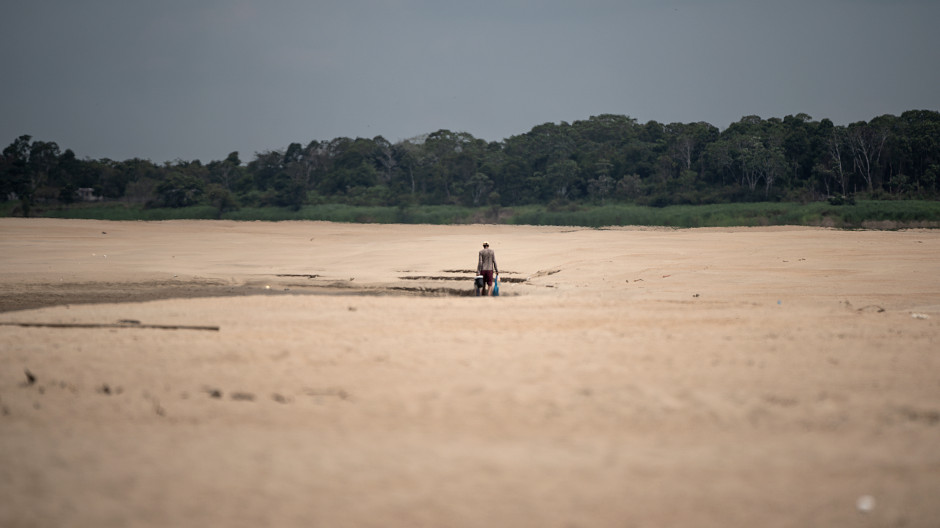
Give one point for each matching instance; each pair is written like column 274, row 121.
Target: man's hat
column 485, row 244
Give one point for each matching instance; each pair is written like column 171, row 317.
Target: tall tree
column 225, row 172
column 385, row 158
column 837, row 144
column 560, row 179
column 866, row 142
column 15, row 176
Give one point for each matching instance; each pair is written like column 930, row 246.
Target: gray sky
column 181, row 79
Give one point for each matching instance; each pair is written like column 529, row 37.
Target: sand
column 625, row 377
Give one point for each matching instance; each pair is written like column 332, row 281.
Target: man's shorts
column 487, row 277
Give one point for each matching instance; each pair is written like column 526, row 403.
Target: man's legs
column 487, row 282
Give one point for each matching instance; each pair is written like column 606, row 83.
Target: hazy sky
column 181, row 79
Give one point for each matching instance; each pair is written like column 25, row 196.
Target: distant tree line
column 607, row 158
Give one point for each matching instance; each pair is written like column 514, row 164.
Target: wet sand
column 625, row 377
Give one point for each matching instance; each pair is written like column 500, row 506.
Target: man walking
column 486, row 266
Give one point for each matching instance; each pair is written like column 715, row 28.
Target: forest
column 606, row 159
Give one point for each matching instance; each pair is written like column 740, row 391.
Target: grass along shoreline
column 865, row 214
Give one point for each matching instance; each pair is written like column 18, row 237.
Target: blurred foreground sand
column 626, row 377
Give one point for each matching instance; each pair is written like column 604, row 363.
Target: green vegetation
column 865, row 214
column 440, row 214
column 605, row 170
column 879, row 214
